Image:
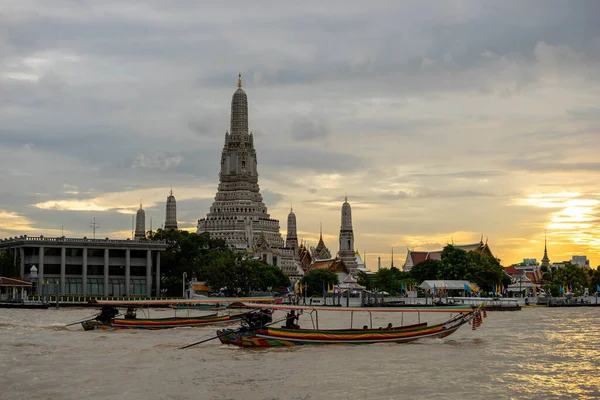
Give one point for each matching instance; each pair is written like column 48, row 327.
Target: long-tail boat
column 253, row 334
column 107, row 320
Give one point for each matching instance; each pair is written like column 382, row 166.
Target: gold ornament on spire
column 240, row 80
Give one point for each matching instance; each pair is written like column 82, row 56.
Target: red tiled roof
column 435, row 255
column 418, row 256
column 13, row 282
column 513, row 271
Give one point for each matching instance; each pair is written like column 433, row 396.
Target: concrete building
column 171, row 215
column 582, row 261
column 101, row 267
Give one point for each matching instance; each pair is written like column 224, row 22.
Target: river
column 541, row 353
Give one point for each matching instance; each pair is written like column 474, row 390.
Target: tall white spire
column 171, row 212
column 140, row 223
column 346, row 251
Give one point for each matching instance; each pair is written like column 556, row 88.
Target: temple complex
column 140, row 224
column 238, row 214
column 171, row 215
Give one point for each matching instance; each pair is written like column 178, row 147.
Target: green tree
column 594, row 280
column 317, row 278
column 8, row 267
column 484, row 270
column 392, row 279
column 454, row 263
column 365, row 280
column 425, row 270
column 573, row 276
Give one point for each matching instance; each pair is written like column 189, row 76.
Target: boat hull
column 273, row 337
column 156, row 323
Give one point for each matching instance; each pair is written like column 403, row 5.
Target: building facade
column 90, row 267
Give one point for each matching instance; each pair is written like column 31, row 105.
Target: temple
column 545, row 260
column 238, row 214
column 346, row 252
column 171, row 214
column 140, row 224
column 415, row 257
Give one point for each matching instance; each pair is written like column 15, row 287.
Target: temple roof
column 332, row 264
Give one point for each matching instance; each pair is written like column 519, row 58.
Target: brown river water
column 536, row 353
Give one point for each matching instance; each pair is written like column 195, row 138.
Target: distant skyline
column 441, row 121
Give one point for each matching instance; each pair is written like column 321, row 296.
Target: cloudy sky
column 442, row 121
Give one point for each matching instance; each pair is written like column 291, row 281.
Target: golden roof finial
column 171, row 190
column 346, row 197
column 140, row 204
column 240, row 80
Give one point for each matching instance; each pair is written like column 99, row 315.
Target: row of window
column 95, row 286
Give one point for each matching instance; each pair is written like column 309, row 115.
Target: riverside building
column 89, row 267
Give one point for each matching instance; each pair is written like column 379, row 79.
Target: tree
column 8, row 267
column 392, row 279
column 573, row 276
column 454, row 263
column 365, row 280
column 316, row 279
column 425, row 270
column 484, row 270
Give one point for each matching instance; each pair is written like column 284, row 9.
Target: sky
column 442, row 121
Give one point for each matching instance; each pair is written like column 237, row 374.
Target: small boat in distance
column 262, row 335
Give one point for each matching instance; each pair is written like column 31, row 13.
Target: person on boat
column 130, row 313
column 390, row 326
column 107, row 314
column 365, row 327
column 291, row 319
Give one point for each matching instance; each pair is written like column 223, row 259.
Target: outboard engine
column 257, row 319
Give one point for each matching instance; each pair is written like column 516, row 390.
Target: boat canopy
column 446, row 284
column 447, row 309
column 213, row 300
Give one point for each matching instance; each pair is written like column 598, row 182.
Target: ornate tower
column 291, row 240
column 346, row 252
column 545, row 260
column 321, row 252
column 238, row 202
column 140, row 224
column 171, row 218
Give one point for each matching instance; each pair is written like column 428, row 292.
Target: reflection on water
column 533, row 354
